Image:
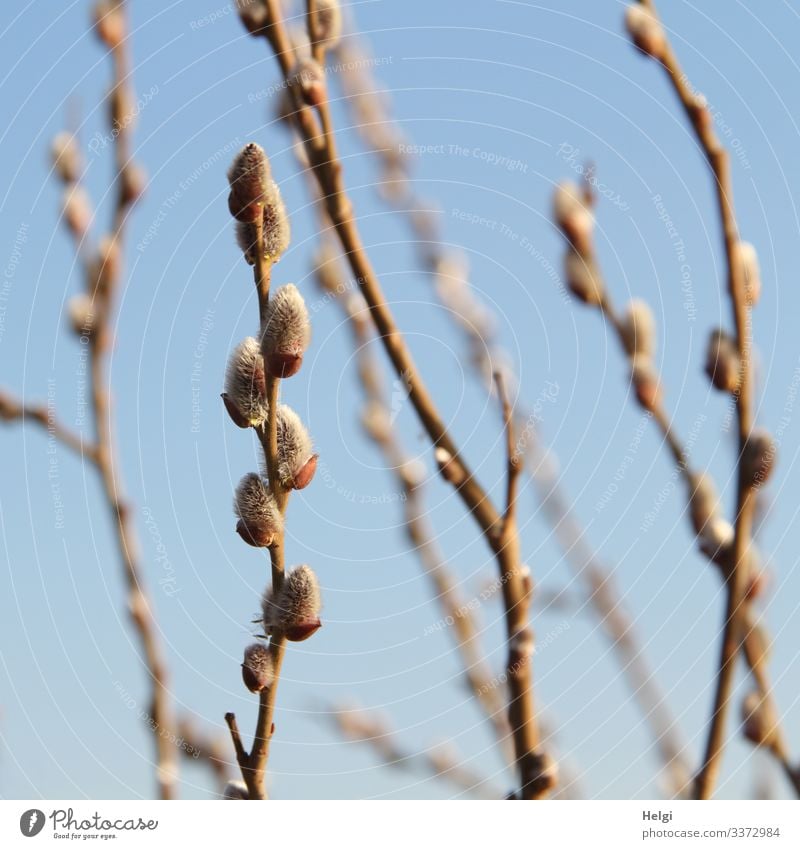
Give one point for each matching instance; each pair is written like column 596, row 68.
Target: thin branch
column 696, row 108
column 537, row 775
column 13, row 410
column 477, row 323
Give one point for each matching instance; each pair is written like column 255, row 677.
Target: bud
column 259, row 518
column 286, row 332
column 451, row 471
column 66, row 158
column 723, row 365
column 328, row 23
column 573, row 217
column 758, row 457
column 254, row 15
column 646, row 383
column 275, row 228
column 747, row 258
column 249, row 177
column 758, row 645
column 583, row 277
column 328, row 271
column 80, row 310
column 296, row 460
column 716, row 540
column 258, row 671
column 295, row 611
column 235, row 789
column 104, row 266
column 133, row 183
column 9, row 408
column 703, row 502
column 375, row 421
column 646, row 31
column 122, row 111
column 245, row 395
column 759, row 723
column 638, row 329
column 308, row 80
column 109, row 22
column 77, row 210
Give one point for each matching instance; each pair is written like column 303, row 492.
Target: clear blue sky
column 513, row 79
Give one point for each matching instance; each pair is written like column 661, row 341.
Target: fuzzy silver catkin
column 249, row 178
column 751, row 272
column 254, row 14
column 245, row 393
column 296, row 459
column 308, row 80
column 645, row 31
column 66, row 157
column 723, row 364
column 76, row 210
column 286, row 332
column 260, row 519
column 235, row 789
column 639, row 329
column 294, row 612
column 583, row 277
column 80, row 311
column 572, row 216
column 276, row 228
column 258, row 670
column 328, row 24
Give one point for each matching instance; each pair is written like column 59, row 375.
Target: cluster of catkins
column 637, row 329
column 76, row 209
column 262, row 224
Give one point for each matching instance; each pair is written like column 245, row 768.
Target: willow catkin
column 328, row 23
column 723, row 364
column 286, row 332
column 294, row 610
column 751, row 271
column 583, row 277
column 245, row 395
column 258, row 669
column 297, row 461
column 645, row 31
column 276, row 230
column 572, row 215
column 249, row 178
column 66, row 157
column 260, row 520
column 638, row 329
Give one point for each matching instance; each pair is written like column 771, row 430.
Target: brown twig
column 13, row 410
column 441, row 761
column 537, row 775
column 102, row 286
column 379, row 132
column 701, row 120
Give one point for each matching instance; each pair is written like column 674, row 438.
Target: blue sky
column 523, row 81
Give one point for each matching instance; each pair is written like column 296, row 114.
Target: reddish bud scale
column 260, row 521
